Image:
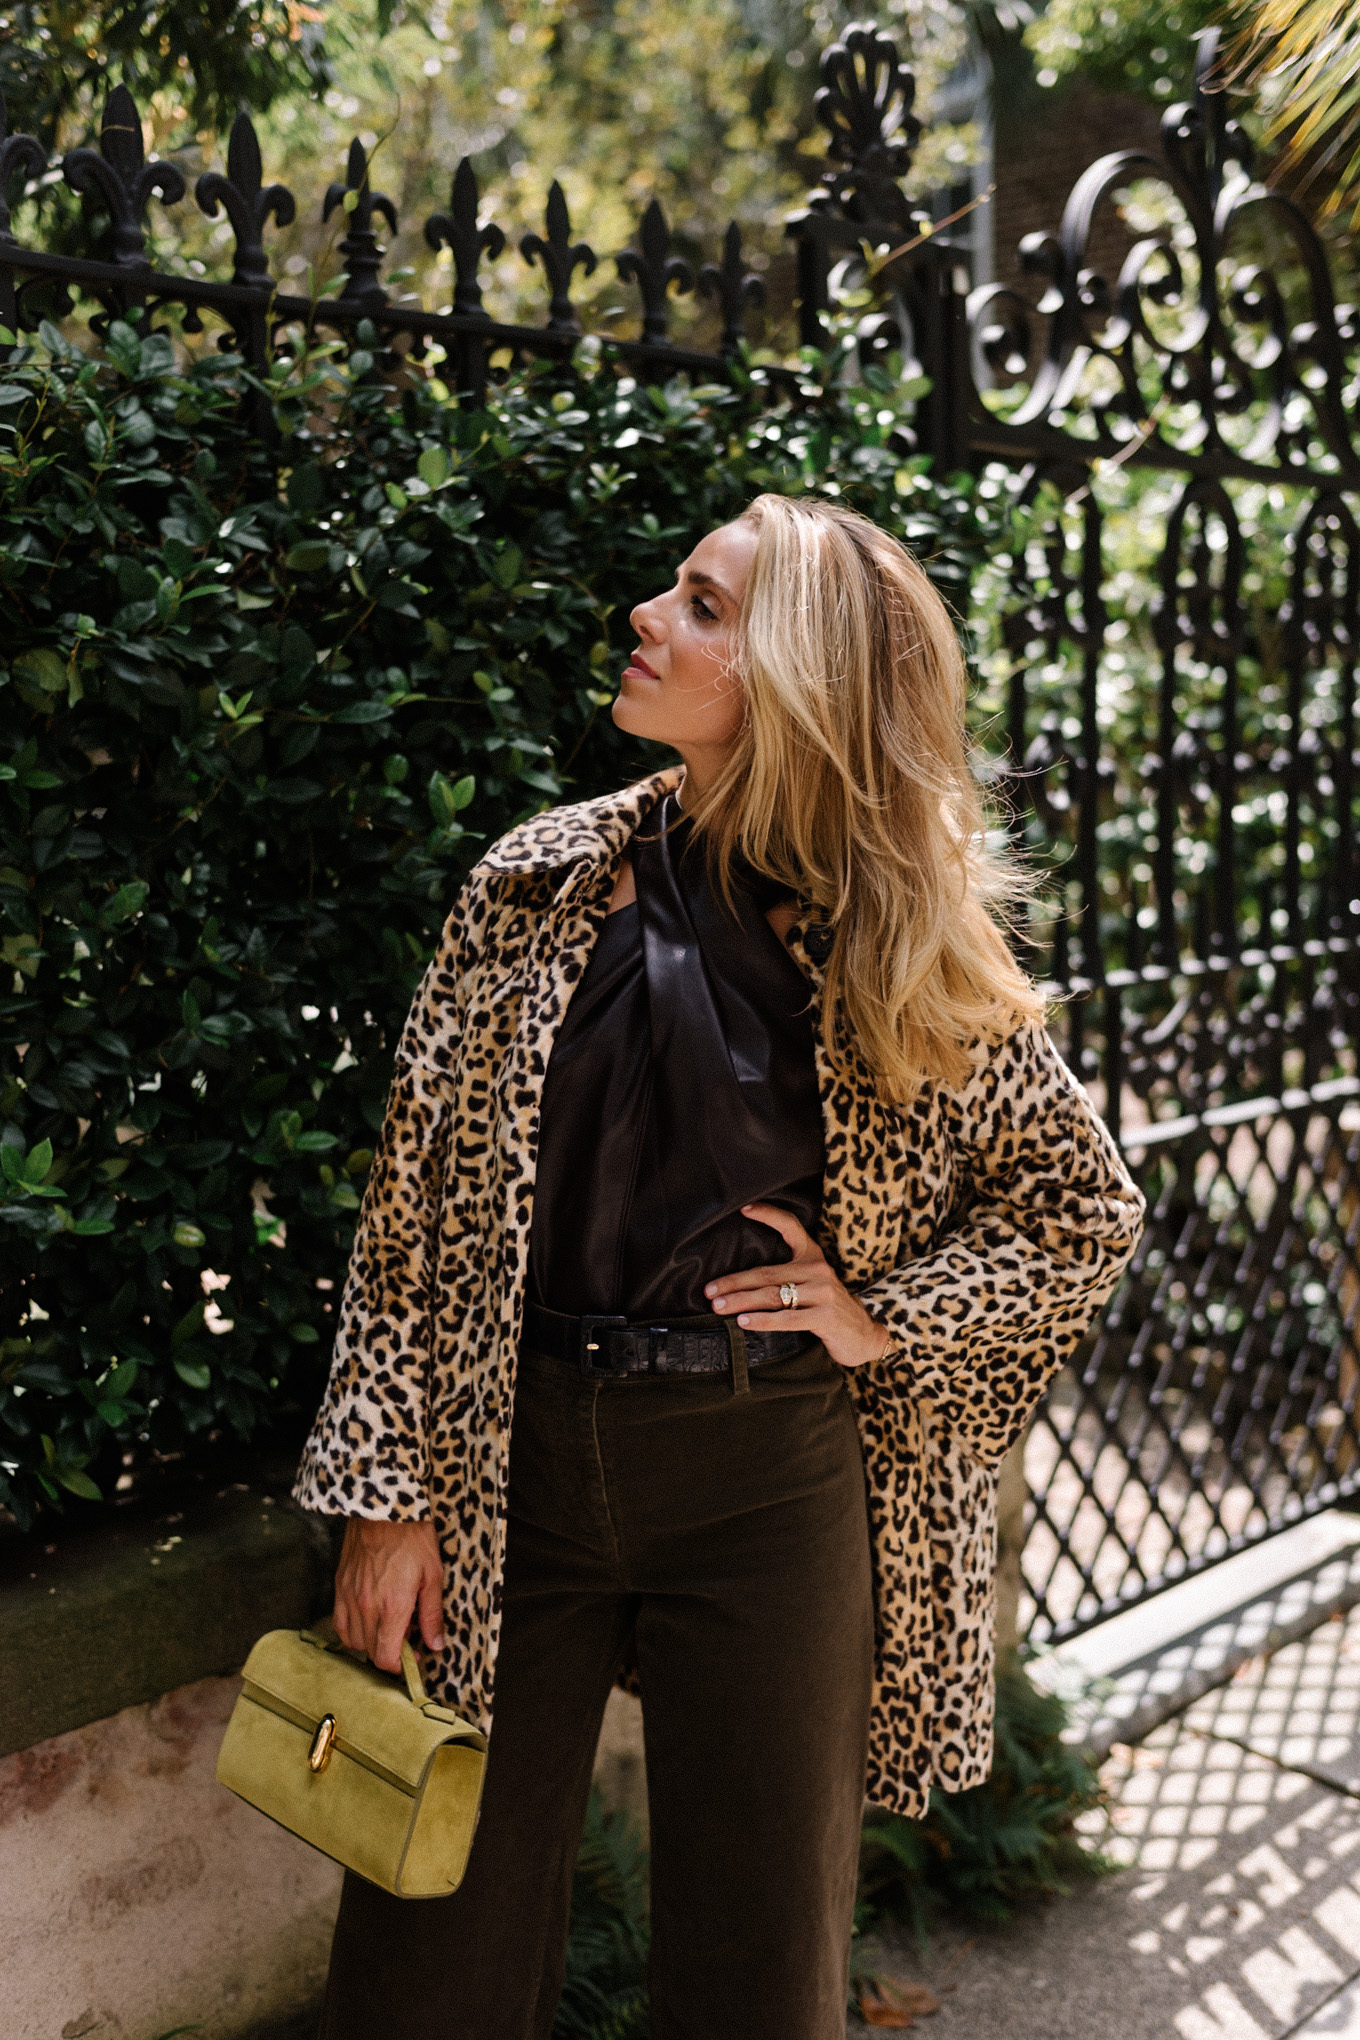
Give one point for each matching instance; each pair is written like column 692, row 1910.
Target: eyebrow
column 699, row 579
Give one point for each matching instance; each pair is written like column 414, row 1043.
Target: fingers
column 810, row 1296
column 751, row 1299
column 387, row 1573
column 430, row 1608
column 394, row 1620
column 851, row 1337
column 781, row 1321
column 806, row 1274
column 346, row 1614
column 784, row 1223
column 345, row 1627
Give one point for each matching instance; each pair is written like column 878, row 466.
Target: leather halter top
column 681, row 1085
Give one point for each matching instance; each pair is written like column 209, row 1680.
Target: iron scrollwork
column 734, row 287
column 1202, row 921
column 253, row 304
column 865, row 103
column 20, row 156
column 1259, row 385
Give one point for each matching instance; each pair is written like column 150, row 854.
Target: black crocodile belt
column 607, row 1348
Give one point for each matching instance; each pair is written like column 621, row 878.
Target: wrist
column 375, row 1531
column 880, row 1339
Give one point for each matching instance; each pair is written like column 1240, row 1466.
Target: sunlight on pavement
column 1254, row 1880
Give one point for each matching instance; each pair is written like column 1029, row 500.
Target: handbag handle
column 324, row 1634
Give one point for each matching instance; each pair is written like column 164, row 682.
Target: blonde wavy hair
column 851, row 783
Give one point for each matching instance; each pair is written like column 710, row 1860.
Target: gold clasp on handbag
column 319, row 1755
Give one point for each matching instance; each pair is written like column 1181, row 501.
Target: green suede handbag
column 359, row 1764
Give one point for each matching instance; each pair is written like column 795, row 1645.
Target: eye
column 701, row 609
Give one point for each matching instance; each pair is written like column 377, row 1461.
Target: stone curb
column 136, row 1608
column 1127, row 1676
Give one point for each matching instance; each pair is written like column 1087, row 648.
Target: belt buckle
column 591, row 1342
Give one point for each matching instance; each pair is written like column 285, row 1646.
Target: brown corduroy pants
column 723, row 1539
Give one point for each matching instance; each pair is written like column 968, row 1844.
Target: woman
column 731, row 1211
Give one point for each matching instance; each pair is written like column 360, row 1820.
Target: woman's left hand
column 825, row 1306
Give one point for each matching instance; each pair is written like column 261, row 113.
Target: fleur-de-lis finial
column 865, row 104
column 559, row 258
column 730, row 283
column 246, row 200
column 20, row 155
column 653, row 268
column 458, row 230
column 360, row 250
column 118, row 173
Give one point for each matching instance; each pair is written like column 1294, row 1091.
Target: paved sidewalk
column 1237, row 1916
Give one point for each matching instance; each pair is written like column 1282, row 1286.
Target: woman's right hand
column 387, row 1572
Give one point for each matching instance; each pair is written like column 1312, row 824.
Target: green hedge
column 264, row 696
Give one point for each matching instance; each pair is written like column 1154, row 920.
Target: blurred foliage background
column 704, row 104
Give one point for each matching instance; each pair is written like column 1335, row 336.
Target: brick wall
column 1036, row 169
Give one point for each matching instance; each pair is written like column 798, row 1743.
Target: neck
column 702, row 765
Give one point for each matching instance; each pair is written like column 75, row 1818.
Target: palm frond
column 1303, row 58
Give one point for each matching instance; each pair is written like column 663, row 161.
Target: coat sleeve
column 1050, row 1218
column 367, row 1454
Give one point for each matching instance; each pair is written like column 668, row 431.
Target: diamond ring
column 788, row 1295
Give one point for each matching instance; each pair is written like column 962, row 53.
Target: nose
column 646, row 621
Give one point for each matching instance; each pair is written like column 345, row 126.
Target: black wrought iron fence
column 1187, row 774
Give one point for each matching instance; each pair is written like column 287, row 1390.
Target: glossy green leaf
column 44, row 669
column 128, row 900
column 79, row 1483
column 120, row 1382
column 306, row 488
column 364, row 712
column 189, row 1324
column 308, row 555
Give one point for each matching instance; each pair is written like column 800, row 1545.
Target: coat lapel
column 590, row 842
column 560, row 953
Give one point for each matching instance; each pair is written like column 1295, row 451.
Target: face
column 679, row 687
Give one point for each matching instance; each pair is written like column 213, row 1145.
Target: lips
column 637, row 664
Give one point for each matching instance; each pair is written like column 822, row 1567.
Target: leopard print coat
column 983, row 1226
